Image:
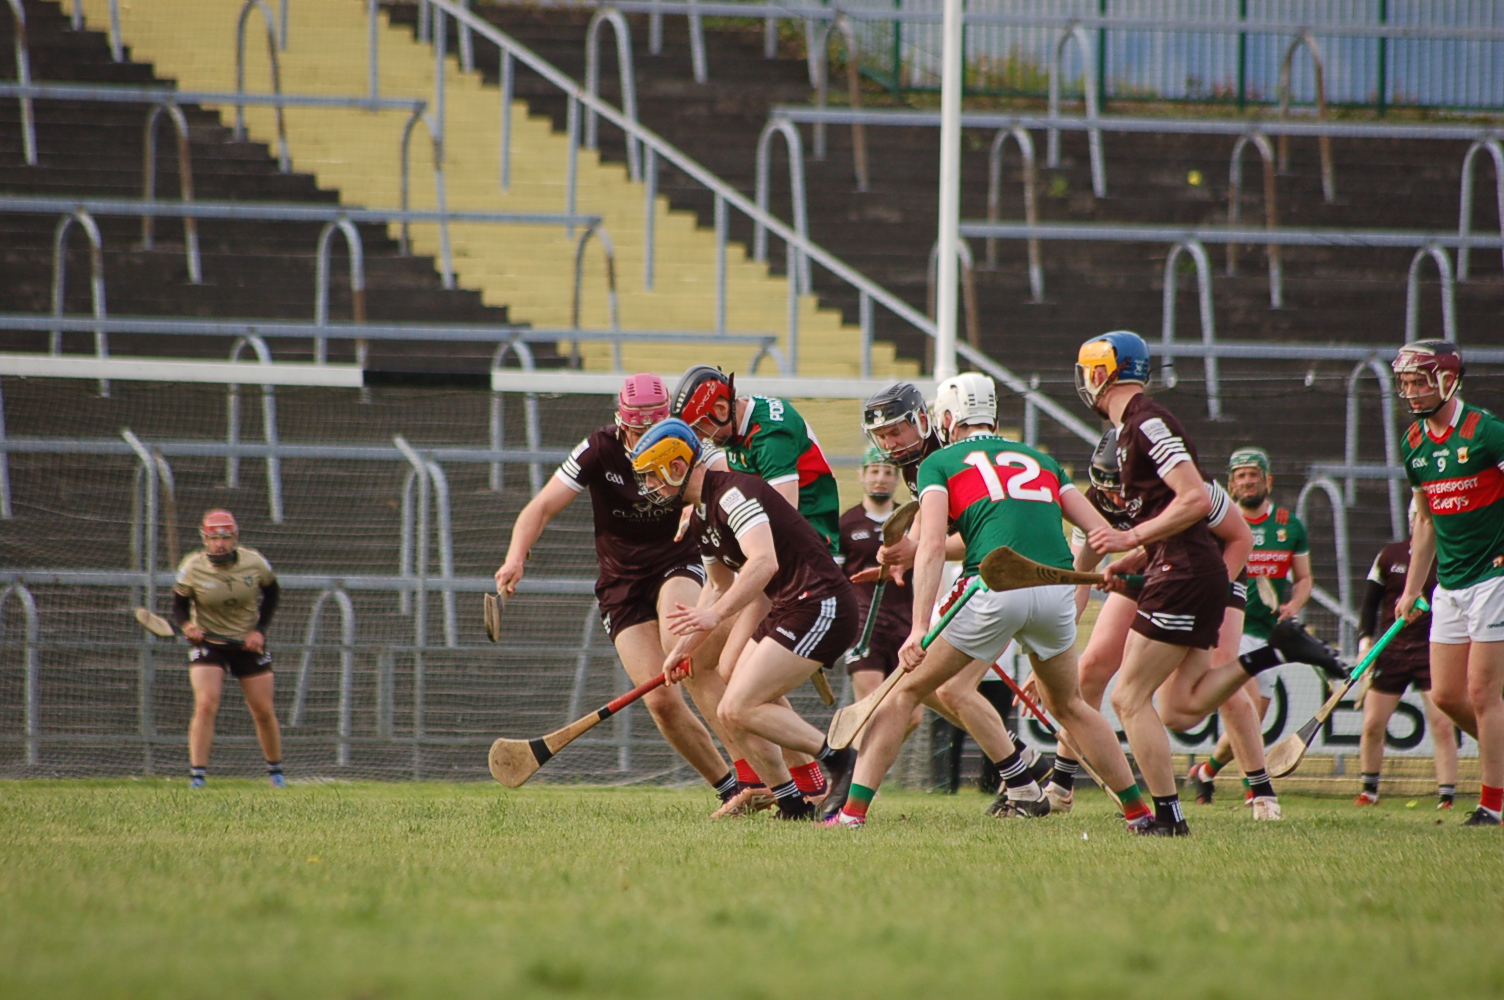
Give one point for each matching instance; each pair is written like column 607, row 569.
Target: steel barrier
column 797, row 264
column 1075, row 33
column 284, row 159
column 1304, row 39
column 1031, row 203
column 820, row 69
column 31, row 713
column 1381, row 372
column 1208, row 320
column 356, row 250
column 185, row 185
column 96, row 282
column 532, row 423
column 607, row 15
column 346, row 667
column 1465, row 211
column 1271, row 211
column 1346, row 629
column 23, row 77
column 1448, row 293
column 268, row 427
column 968, row 273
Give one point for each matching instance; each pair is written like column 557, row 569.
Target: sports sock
column 1134, row 806
column 858, row 801
column 787, row 790
column 745, row 774
column 1167, row 809
column 1371, row 784
column 1446, row 793
column 1211, row 766
column 273, row 767
column 809, row 778
column 1029, row 753
column 1491, row 798
column 1259, row 782
column 1065, row 772
column 198, row 772
column 726, row 786
column 1260, row 659
column 1016, row 775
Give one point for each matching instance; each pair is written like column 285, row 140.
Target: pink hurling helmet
column 642, row 403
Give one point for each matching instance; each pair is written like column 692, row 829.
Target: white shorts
column 1472, row 614
column 1042, row 619
column 1247, row 644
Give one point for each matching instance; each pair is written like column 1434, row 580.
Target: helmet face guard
column 895, row 406
column 219, row 524
column 1439, row 363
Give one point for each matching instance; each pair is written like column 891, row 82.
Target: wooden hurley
column 491, row 608
column 1285, row 756
column 1004, row 569
column 514, row 761
column 848, row 723
column 157, row 625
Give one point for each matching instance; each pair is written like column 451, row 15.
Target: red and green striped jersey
column 1278, row 537
column 1462, row 475
column 1001, row 493
column 775, row 443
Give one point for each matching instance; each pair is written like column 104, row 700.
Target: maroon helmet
column 1440, row 363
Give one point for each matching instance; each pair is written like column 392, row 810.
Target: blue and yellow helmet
column 1113, row 358
column 656, row 451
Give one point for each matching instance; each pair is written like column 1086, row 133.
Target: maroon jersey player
column 769, row 572
column 643, row 571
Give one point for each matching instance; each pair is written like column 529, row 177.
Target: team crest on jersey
column 857, row 536
column 1462, row 455
column 250, row 580
column 612, row 477
column 1282, row 534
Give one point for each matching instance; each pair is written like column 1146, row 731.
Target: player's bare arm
column 1237, row 543
column 751, row 580
column 1191, row 504
column 528, row 528
column 678, row 664
column 1422, row 555
column 1300, row 589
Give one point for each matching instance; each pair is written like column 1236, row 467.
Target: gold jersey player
column 223, row 601
column 996, row 492
column 758, row 552
column 643, row 574
column 1454, row 456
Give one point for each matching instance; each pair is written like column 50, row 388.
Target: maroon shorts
column 882, row 651
column 1183, row 611
column 1394, row 673
column 816, row 627
column 235, row 661
column 628, row 602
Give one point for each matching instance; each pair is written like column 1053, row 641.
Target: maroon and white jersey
column 1151, row 442
column 633, row 536
column 1391, row 568
column 731, row 504
column 861, row 537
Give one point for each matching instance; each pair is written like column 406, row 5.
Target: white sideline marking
column 179, row 370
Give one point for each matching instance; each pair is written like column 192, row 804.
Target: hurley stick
column 491, row 607
column 514, row 761
column 1004, row 569
column 1285, row 756
column 848, row 723
column 894, row 528
column 157, row 625
column 1038, row 713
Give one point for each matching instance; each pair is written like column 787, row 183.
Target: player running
column 223, row 601
column 764, row 437
column 1103, row 655
column 1404, row 662
column 997, row 492
column 1183, row 602
column 643, row 574
column 1280, row 570
column 758, row 552
column 1454, row 456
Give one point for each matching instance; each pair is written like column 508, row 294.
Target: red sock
column 745, row 774
column 1491, row 799
column 1137, row 810
column 856, row 808
column 808, row 777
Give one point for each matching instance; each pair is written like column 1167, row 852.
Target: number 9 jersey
column 1001, row 492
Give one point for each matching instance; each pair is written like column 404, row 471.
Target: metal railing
column 1347, row 620
column 1465, row 210
column 86, row 223
column 31, row 696
column 1382, row 374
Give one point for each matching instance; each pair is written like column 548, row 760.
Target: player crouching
column 997, row 493
column 757, row 549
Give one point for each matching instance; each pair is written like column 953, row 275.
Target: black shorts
column 237, row 662
column 1184, row 611
column 817, row 627
column 1393, row 674
column 882, row 652
column 629, row 602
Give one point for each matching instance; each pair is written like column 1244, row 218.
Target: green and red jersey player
column 1454, row 458
column 994, row 492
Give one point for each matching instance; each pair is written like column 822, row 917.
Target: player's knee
column 1451, row 701
column 1374, row 726
column 664, row 703
column 1484, row 698
column 206, row 706
column 263, row 713
column 732, row 712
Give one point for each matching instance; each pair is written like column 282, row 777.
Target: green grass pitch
column 366, row 891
